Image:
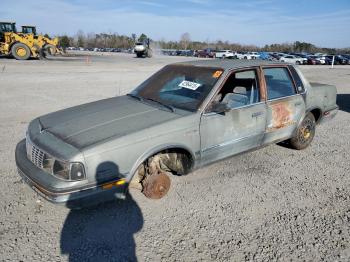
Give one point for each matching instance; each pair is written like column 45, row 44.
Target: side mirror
column 220, row 108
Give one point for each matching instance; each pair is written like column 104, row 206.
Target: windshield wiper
column 172, row 109
column 135, row 96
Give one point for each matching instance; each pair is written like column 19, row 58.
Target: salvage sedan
column 185, row 116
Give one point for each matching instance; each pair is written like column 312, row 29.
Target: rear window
column 297, row 79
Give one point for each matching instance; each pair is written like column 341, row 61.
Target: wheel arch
column 317, row 113
column 11, row 45
column 159, row 149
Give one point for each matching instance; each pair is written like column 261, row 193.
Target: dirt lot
column 271, row 204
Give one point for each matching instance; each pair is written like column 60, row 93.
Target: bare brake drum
column 156, row 186
column 152, row 177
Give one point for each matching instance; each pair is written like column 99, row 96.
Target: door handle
column 297, row 104
column 256, row 114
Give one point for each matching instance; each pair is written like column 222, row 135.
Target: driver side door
column 242, row 127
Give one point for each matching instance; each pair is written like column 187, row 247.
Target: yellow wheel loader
column 20, row 46
column 46, row 45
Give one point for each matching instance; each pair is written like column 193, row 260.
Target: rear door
column 285, row 106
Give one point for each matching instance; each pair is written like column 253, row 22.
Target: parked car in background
column 225, row 54
column 319, row 60
column 347, row 57
column 208, row 53
column 328, row 60
column 265, row 56
column 322, row 59
column 311, row 60
column 187, row 53
column 293, row 59
column 338, row 59
column 275, row 57
column 344, row 60
column 249, row 55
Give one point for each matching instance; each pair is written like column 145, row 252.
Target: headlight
column 68, row 170
column 71, row 171
column 61, row 169
column 77, row 171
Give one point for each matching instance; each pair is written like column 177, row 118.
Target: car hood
column 99, row 121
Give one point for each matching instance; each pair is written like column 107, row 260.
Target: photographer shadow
column 104, row 232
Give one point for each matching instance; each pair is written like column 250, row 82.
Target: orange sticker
column 217, row 74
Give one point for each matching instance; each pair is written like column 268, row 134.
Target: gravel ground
column 271, row 204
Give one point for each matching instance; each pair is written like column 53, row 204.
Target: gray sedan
column 185, row 116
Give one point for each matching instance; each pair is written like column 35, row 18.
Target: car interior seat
column 243, row 92
column 237, row 98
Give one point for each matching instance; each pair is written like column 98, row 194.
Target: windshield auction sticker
column 189, row 85
column 217, row 74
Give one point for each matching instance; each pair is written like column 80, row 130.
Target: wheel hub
column 21, row 51
column 306, row 132
column 156, row 186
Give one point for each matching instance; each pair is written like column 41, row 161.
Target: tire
column 305, row 133
column 149, row 53
column 49, row 50
column 20, row 51
column 139, row 55
column 298, row 63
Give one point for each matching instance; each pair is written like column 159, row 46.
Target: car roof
column 230, row 64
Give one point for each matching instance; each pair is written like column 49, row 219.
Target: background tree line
column 114, row 40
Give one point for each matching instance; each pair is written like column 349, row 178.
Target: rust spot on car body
column 282, row 116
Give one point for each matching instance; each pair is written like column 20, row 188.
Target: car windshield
column 180, row 86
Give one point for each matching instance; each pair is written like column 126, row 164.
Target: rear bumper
column 72, row 197
column 328, row 115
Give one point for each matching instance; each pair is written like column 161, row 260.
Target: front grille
column 34, row 153
column 37, row 156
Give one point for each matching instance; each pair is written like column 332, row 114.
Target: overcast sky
column 324, row 23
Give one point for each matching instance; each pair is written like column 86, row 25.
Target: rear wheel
column 305, row 133
column 298, row 62
column 20, row 51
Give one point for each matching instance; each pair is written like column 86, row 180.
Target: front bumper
column 71, row 196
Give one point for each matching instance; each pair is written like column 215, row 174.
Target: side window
column 278, row 82
column 297, row 79
column 240, row 89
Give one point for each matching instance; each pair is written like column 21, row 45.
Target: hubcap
column 21, row 51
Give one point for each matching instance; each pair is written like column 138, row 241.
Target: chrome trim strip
column 236, row 108
column 280, row 98
column 229, row 142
